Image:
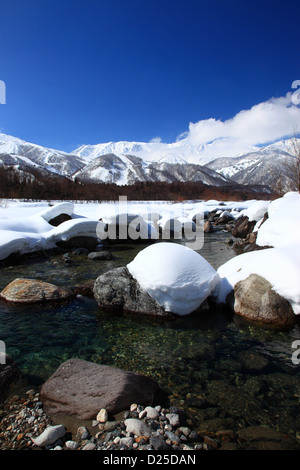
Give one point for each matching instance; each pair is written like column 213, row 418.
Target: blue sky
column 84, row 72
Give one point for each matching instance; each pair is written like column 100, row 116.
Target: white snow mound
column 176, row 276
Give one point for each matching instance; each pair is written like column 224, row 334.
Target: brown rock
column 208, row 227
column 31, row 291
column 243, row 227
column 255, row 300
column 85, row 289
column 81, row 388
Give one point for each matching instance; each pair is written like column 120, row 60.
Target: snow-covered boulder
column 177, row 277
column 279, row 266
column 283, row 224
column 118, row 290
column 52, row 212
column 256, row 210
column 255, row 300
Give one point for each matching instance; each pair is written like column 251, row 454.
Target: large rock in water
column 118, row 290
column 31, row 291
column 255, row 299
column 81, row 388
column 176, row 276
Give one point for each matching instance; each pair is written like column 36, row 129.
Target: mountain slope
column 271, row 166
column 24, row 155
column 125, row 163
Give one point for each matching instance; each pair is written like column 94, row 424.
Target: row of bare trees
column 36, row 186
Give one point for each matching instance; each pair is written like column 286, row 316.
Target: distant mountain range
column 125, row 163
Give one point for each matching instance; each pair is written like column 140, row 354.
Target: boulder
column 86, row 288
column 254, row 299
column 118, row 290
column 82, row 388
column 49, row 435
column 224, row 218
column 32, row 291
column 243, row 227
column 208, row 227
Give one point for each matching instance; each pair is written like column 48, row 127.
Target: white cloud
column 156, row 140
column 263, row 123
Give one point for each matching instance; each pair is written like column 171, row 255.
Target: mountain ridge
column 125, row 163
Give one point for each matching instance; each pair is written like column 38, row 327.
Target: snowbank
column 256, row 210
column 177, row 277
column 279, row 265
column 21, row 234
column 282, row 228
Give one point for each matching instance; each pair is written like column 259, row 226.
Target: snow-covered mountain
column 24, row 156
column 128, row 169
column 181, row 151
column 125, row 163
column 271, row 165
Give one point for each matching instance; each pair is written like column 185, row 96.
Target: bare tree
column 294, row 164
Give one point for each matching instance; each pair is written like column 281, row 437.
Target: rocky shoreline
column 25, row 426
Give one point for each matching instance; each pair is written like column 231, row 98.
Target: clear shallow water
column 226, row 372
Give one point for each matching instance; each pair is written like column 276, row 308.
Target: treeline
column 36, row 186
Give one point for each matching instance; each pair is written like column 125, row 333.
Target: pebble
column 102, row 416
column 49, row 435
column 24, row 424
column 173, row 419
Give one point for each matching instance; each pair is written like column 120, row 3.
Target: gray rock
column 89, row 446
column 83, row 433
column 100, row 255
column 255, row 299
column 71, row 445
column 172, row 436
column 151, row 412
column 82, row 388
column 110, row 425
column 137, row 427
column 174, row 419
column 126, row 441
column 49, row 436
column 118, row 290
column 158, row 443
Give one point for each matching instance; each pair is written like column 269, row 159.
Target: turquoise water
column 214, row 364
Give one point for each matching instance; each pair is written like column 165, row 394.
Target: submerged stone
column 82, row 388
column 31, row 291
